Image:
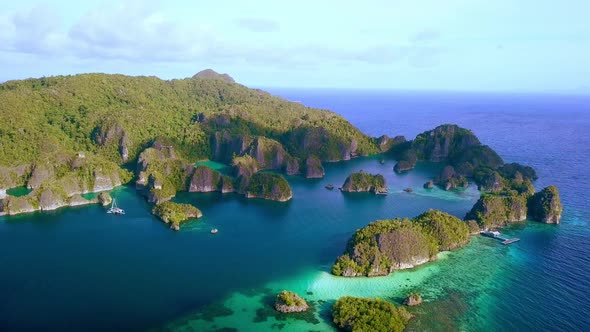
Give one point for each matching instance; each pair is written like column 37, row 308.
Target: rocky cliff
column 314, row 168
column 42, row 199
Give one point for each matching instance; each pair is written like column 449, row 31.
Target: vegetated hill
column 117, row 116
column 465, row 157
column 384, row 246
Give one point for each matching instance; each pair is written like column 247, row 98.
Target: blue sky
column 481, row 45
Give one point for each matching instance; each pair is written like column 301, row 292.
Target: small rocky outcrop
column 104, row 199
column 429, row 185
column 545, row 206
column 176, row 213
column 449, row 179
column 403, row 166
column 365, row 182
column 314, row 168
column 413, row 299
column 269, row 186
column 287, row 302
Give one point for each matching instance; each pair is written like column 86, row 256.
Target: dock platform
column 508, row 241
column 498, row 236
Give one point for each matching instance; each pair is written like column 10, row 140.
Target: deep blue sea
column 79, row 269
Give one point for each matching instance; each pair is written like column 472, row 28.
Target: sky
column 465, row 45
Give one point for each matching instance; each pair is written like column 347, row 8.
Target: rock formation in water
column 545, row 206
column 314, row 168
column 365, row 182
column 104, row 199
column 413, row 299
column 175, row 213
column 287, row 302
column 388, row 245
column 449, row 179
column 269, row 186
column 495, row 211
column 403, row 166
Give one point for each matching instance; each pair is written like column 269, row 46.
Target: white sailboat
column 114, row 209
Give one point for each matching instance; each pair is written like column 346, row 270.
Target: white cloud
column 34, row 31
column 136, row 32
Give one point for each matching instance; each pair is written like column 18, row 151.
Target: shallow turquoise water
column 70, row 266
column 18, row 191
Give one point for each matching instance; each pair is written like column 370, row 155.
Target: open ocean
column 79, row 269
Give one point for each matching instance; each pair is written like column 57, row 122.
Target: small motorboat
column 329, row 186
column 214, row 231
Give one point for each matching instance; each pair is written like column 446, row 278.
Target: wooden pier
column 498, row 236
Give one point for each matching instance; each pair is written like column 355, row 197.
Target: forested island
column 66, row 136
